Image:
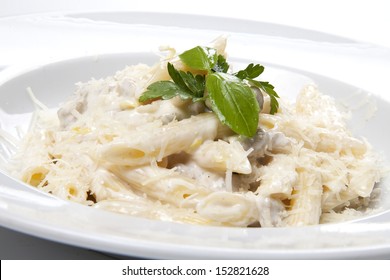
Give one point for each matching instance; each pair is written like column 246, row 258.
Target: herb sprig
column 230, row 95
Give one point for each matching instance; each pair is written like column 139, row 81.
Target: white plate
column 97, row 44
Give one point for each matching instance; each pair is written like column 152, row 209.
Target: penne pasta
column 188, row 140
column 142, row 207
column 143, row 147
column 222, row 156
column 305, row 205
column 162, row 184
column 278, row 178
column 35, row 176
column 232, row 209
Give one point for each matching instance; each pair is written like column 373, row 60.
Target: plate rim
column 72, row 239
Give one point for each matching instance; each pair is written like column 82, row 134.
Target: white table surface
column 361, row 20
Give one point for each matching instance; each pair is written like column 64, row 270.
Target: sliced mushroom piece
column 259, row 96
column 259, row 143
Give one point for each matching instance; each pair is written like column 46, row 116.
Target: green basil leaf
column 234, row 103
column 200, row 58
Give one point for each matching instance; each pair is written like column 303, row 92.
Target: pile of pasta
column 173, row 160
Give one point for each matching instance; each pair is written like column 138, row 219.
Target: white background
column 357, row 19
column 361, row 20
column 302, row 269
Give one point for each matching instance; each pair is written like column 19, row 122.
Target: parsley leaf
column 185, row 85
column 164, row 90
column 234, row 103
column 221, row 65
column 194, row 85
column 250, row 72
column 177, row 77
column 230, row 95
column 269, row 89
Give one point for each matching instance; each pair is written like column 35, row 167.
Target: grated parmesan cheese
column 303, row 167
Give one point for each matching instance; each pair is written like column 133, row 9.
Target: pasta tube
column 154, row 210
column 143, row 147
column 306, row 202
column 162, row 184
column 331, row 200
column 35, row 176
column 278, row 177
column 223, row 156
column 229, row 208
